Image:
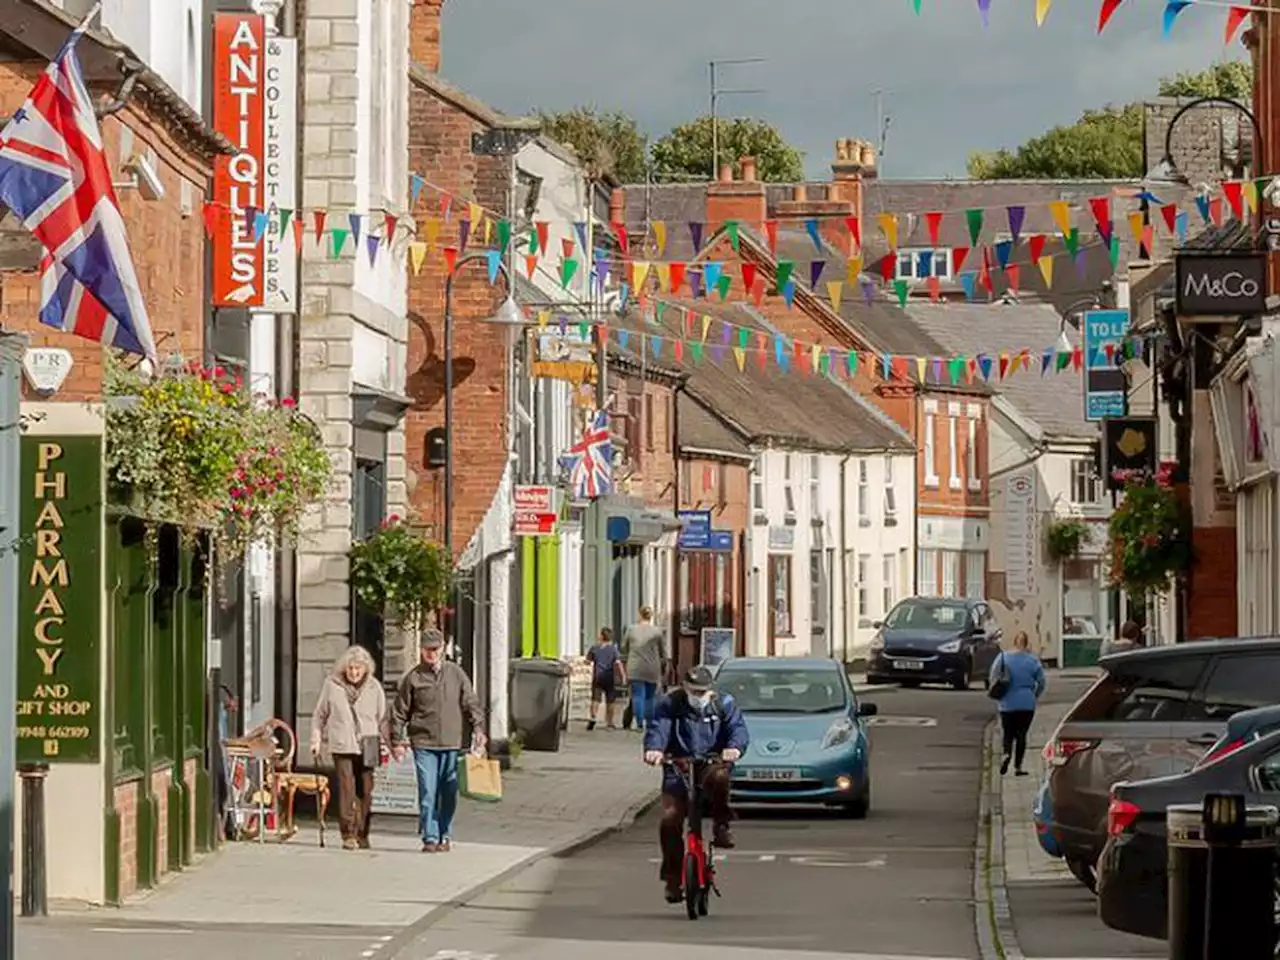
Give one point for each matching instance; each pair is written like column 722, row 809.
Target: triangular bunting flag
column 974, row 219
column 1016, row 216
column 372, row 242
column 958, row 257
column 417, row 255
column 834, row 290
column 731, row 228
column 901, row 289
column 318, row 218
column 1042, row 11
column 1170, row 213
column 1231, row 189
column 771, row 234
column 1236, row 16
column 530, row 264
column 660, row 236
column 934, row 222
column 695, row 235
column 1035, row 246
column 1061, row 212
column 855, row 231
column 1004, row 250
column 1011, row 275
column 339, row 240
column 935, row 288
column 815, row 272
column 811, row 227
column 1105, row 13
column 1046, row 271
column 784, row 273
column 568, row 267
column 450, row 259
column 889, row 227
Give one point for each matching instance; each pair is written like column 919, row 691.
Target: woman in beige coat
column 351, row 720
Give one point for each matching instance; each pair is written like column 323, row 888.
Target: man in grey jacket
column 644, row 651
column 434, row 699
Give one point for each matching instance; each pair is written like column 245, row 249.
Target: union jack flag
column 54, row 174
column 590, row 461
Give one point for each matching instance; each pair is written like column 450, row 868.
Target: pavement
column 1051, row 915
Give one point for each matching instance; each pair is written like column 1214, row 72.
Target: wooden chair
column 288, row 784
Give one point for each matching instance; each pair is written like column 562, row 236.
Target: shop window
column 950, row 573
column 780, row 594
column 927, row 573
column 368, row 498
column 975, row 575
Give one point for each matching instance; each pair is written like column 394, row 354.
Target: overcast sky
column 950, row 86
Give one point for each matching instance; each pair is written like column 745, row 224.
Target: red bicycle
column 699, row 866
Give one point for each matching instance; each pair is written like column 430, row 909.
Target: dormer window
column 919, row 263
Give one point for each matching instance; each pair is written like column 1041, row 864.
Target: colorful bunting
column 974, row 219
column 934, row 222
column 1108, row 9
column 1236, row 16
column 1171, row 11
column 1042, row 11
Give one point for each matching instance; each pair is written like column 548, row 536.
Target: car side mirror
column 877, row 624
column 867, row 709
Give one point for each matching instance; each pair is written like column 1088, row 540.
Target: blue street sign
column 722, row 541
column 695, row 534
column 1105, row 384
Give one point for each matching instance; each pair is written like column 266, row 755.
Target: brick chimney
column 742, row 200
column 424, row 34
column 832, row 203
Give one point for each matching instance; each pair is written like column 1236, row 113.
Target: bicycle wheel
column 692, row 888
column 704, row 895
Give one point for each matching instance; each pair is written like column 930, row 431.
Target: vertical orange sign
column 238, row 81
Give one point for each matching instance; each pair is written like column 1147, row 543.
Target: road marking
column 802, row 860
column 169, row 931
column 819, row 862
column 888, row 721
column 767, row 858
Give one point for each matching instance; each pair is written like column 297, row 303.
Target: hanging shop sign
column 534, row 511
column 254, row 106
column 1220, row 285
column 1129, row 445
column 564, row 355
column 46, row 368
column 1106, row 387
column 60, row 601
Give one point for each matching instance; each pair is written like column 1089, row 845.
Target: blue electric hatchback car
column 809, row 740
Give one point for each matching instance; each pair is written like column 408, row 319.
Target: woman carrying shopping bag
column 1017, row 681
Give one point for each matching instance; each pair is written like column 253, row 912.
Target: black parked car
column 934, row 640
column 1132, row 885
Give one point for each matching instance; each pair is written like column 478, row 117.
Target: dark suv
column 1154, row 712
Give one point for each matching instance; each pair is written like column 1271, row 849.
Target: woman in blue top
column 1021, row 670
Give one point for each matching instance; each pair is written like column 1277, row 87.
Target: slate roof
column 700, row 429
column 768, row 406
column 1054, row 401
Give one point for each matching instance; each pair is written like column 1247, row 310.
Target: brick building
column 147, row 734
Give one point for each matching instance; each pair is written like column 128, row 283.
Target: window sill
column 890, row 520
column 976, row 487
column 955, row 483
column 864, row 521
column 931, row 483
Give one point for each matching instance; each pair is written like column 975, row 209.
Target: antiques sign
column 1221, row 285
column 60, row 601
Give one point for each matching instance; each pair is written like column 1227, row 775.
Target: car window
column 785, row 691
column 1239, row 682
column 928, row 615
column 1268, row 773
column 1154, row 690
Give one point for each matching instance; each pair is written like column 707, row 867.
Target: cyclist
column 693, row 722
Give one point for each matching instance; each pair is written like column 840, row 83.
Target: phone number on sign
column 54, row 733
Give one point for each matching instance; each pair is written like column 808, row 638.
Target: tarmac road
column 810, row 882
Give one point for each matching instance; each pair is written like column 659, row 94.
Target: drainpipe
column 844, row 558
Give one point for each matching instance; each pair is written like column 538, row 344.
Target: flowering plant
column 191, row 448
column 399, row 572
column 1065, row 538
column 1148, row 533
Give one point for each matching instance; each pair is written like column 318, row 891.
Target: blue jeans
column 437, row 791
column 644, row 696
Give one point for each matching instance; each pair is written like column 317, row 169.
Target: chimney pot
column 424, row 34
column 799, row 193
column 617, row 203
column 748, row 165
column 726, row 173
column 868, row 156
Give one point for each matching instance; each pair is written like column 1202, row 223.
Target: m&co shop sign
column 60, row 601
column 254, row 105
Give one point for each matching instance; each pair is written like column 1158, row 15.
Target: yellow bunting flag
column 834, row 289
column 1061, row 212
column 432, row 231
column 417, row 254
column 1042, row 11
column 544, row 317
column 740, row 356
column 660, row 236
column 706, row 326
column 1250, row 193
column 1046, row 271
column 1135, row 226
column 815, row 358
column 855, row 269
column 663, row 271
column 1015, row 363
column 640, row 273
column 475, row 214
column 889, row 226
column 921, row 362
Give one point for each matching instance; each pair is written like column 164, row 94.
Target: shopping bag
column 481, row 779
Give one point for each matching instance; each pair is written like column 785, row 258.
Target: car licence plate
column 908, row 665
column 773, row 773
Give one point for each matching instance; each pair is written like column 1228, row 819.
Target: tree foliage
column 608, row 144
column 1105, row 143
column 686, row 152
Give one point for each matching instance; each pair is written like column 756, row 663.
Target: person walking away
column 645, row 655
column 434, row 701
column 1130, row 639
column 691, row 723
column 604, row 657
column 351, row 719
column 1017, row 680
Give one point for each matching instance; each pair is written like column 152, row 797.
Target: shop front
column 708, row 576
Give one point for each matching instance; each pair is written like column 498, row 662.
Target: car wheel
column 859, row 809
column 1083, row 871
column 962, row 682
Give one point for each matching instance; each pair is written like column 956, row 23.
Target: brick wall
column 165, row 237
column 1211, row 595
column 648, row 407
column 1207, row 142
column 160, row 780
column 190, row 771
column 424, row 33
column 440, row 148
column 126, row 804
column 723, row 487
column 943, row 500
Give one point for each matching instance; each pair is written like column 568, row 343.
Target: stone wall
column 1209, row 143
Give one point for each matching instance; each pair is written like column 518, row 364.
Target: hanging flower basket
column 191, row 448
column 401, row 574
column 1149, row 529
column 1065, row 538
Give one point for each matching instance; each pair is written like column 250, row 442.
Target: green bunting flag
column 784, row 273
column 743, row 338
column 722, row 287
column 533, row 243
column 1115, row 252
column 504, row 234
column 955, row 367
column 901, row 289
column 974, row 219
column 339, row 241
column 1064, row 358
column 568, row 268
column 285, row 216
column 1072, row 241
column 731, row 227
column 853, row 362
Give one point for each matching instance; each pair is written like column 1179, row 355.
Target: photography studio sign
column 1221, row 285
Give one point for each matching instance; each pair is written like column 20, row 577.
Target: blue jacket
column 680, row 730
column 1026, row 679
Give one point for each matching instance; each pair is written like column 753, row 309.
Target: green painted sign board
column 60, row 601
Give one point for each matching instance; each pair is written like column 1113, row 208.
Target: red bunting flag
column 1235, row 17
column 450, row 258
column 1148, row 238
column 389, row 228
column 1077, row 358
column 1109, row 7
column 678, row 349
column 958, row 256
column 446, row 204
column 855, row 230
column 1215, row 211
column 1170, row 213
column 620, row 231
column 935, row 288
column 1109, row 351
column 688, row 322
column 887, row 265
column 1004, row 365
column 1035, row 243
column 298, row 228
column 1233, row 191
column 748, row 275
column 317, row 217
column 900, row 369
column 1101, row 207
column 757, row 291
column 566, row 247
column 677, row 276
column 212, row 214
column 802, row 357
column 771, row 233
column 540, row 228
column 762, row 342
column 530, row 264
column 934, row 221
column 984, row 278
column 1011, row 273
